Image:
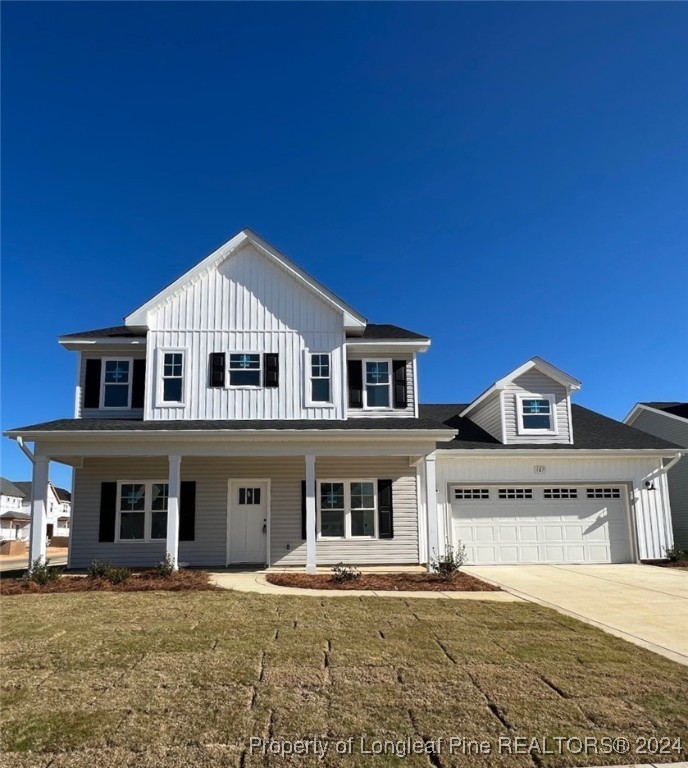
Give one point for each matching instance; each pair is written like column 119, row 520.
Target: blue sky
column 511, row 179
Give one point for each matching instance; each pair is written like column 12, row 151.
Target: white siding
column 676, row 432
column 652, row 526
column 105, row 413
column 247, row 304
column 211, row 476
column 534, row 382
column 410, row 410
column 488, row 415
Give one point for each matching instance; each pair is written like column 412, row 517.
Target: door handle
column 265, row 526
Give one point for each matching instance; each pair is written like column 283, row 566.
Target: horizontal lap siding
column 535, row 383
column 489, row 416
column 211, row 476
column 410, row 409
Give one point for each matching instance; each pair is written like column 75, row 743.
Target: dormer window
column 536, row 414
column 116, row 379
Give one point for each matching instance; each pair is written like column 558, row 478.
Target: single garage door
column 542, row 524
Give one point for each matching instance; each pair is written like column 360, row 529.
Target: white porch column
column 431, row 508
column 310, row 513
column 174, row 485
column 39, row 509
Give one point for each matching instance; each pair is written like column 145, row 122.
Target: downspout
column 29, row 454
column 668, row 524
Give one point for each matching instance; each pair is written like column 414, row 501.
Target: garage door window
column 603, row 493
column 515, row 493
column 473, row 494
column 561, row 493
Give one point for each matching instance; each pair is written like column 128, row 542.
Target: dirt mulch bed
column 393, row 582
column 145, row 581
column 667, row 563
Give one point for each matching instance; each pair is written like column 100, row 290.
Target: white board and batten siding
column 650, row 527
column 212, row 476
column 675, row 431
column 221, row 312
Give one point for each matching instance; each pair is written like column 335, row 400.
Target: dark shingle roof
column 25, row 487
column 8, row 488
column 115, row 332
column 382, row 332
column 591, row 431
column 675, row 409
column 15, row 516
column 118, row 425
column 62, row 493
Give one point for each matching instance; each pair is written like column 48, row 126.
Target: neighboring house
column 670, row 422
column 246, row 414
column 14, row 523
column 58, row 509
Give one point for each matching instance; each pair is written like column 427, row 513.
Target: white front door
column 247, row 521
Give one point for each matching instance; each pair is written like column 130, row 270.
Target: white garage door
column 542, row 524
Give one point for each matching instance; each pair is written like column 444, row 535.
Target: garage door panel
column 540, row 524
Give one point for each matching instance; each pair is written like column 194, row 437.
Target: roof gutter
column 567, row 453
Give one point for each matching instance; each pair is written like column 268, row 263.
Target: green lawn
column 185, row 679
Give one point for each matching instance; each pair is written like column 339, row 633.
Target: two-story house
column 14, row 522
column 246, row 414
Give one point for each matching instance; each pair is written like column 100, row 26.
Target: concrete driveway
column 643, row 604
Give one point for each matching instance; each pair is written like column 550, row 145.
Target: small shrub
column 40, row 572
column 676, row 554
column 118, row 575
column 165, row 567
column 446, row 565
column 342, row 572
column 98, row 569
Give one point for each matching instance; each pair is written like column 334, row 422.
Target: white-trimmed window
column 142, row 510
column 320, row 387
column 347, row 509
column 245, row 369
column 172, row 385
column 115, row 388
column 377, row 384
column 536, row 414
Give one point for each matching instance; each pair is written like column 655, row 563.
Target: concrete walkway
column 255, row 581
column 643, row 604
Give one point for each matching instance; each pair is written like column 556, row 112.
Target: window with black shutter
column 217, row 369
column 400, row 390
column 271, row 365
column 354, row 370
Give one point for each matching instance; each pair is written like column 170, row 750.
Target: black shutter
column 400, row 395
column 355, row 376
column 92, row 384
column 138, row 383
column 108, row 511
column 303, row 510
column 187, row 510
column 271, row 365
column 217, row 369
column 385, row 511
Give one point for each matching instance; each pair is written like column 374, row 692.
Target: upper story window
column 377, row 384
column 321, row 378
column 536, row 414
column 173, row 377
column 116, row 392
column 244, row 369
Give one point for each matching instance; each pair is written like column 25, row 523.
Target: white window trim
column 130, row 383
column 522, row 430
column 308, row 379
column 261, row 372
column 347, row 509
column 367, row 407
column 160, row 389
column 146, row 511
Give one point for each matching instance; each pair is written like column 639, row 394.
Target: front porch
column 216, row 511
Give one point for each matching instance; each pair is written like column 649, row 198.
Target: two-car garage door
column 542, row 524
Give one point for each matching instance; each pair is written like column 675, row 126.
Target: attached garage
column 506, row 524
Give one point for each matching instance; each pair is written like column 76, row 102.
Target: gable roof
column 8, row 488
column 673, row 408
column 542, row 365
column 352, row 319
column 62, row 494
column 592, row 431
column 25, row 487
